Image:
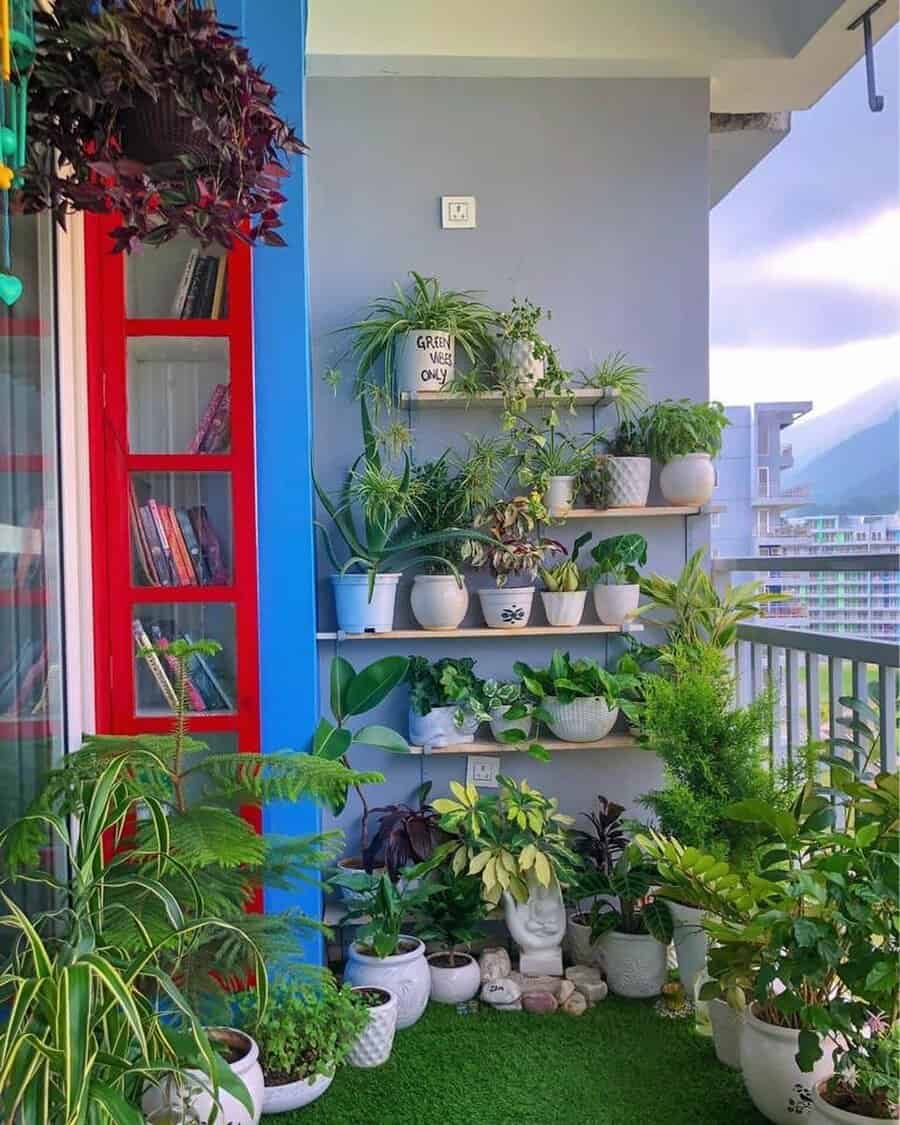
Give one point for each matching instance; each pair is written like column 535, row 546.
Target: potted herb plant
column 552, row 463
column 684, row 437
column 449, row 918
column 598, row 847
column 566, row 588
column 376, row 1040
column 616, row 589
column 578, row 700
column 440, row 701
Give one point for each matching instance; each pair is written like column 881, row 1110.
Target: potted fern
column 684, row 437
column 566, row 588
column 616, row 584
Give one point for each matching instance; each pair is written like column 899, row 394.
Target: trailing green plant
column 617, row 558
column 565, row 680
column 615, row 375
column 511, row 546
column 567, row 576
column 544, row 452
column 676, row 427
column 636, row 910
column 406, row 835
column 451, row 916
column 382, row 907
column 444, row 683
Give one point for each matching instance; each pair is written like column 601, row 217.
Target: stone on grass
column 504, row 995
column 589, row 982
column 576, row 1005
column 494, row 964
column 565, row 990
column 539, row 1003
column 540, row 984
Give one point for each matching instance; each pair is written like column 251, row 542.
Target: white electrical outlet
column 458, row 212
column 481, row 771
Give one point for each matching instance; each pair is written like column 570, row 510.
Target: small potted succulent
column 450, row 918
column 616, row 589
column 578, row 700
column 440, row 701
column 684, row 436
column 566, row 588
column 598, row 848
column 374, row 1043
column 552, row 464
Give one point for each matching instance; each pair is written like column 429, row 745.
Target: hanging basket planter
column 156, row 131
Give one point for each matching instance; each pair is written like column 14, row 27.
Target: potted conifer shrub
column 616, row 590
column 684, row 436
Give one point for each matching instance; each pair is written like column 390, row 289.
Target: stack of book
column 176, row 546
column 214, row 430
column 203, row 688
column 201, row 291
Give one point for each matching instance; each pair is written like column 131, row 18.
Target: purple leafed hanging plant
column 154, row 110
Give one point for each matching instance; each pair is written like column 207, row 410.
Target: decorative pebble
column 565, row 990
column 589, row 982
column 575, row 1005
column 539, row 1003
column 504, row 995
column 494, row 964
column 541, row 984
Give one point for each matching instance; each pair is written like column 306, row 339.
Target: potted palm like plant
column 616, row 588
column 684, row 437
column 566, row 587
column 449, row 918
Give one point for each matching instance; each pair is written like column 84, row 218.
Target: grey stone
column 504, row 995
column 589, row 982
column 565, row 990
column 540, row 984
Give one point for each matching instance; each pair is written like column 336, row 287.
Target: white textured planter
column 691, row 943
column 635, row 964
column 295, row 1095
column 518, row 357
column 355, row 613
column 560, row 495
column 438, row 727
column 500, row 724
column 628, row 481
column 373, row 1047
column 438, row 602
column 615, row 605
column 565, row 609
column 823, row 1113
column 582, row 720
column 778, row 1088
column 456, row 984
column 509, row 608
column 197, row 1096
column 727, row 1025
column 404, row 974
column 688, row 480
column 582, row 950
column 425, row 361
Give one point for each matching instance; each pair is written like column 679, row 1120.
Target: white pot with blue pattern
column 507, row 608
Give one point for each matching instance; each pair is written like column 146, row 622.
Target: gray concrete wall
column 592, row 201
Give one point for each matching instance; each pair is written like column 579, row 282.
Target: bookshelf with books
column 173, row 486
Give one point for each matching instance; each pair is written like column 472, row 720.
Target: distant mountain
column 826, row 431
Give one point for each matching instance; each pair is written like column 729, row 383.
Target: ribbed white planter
column 438, row 602
column 295, row 1095
column 628, row 481
column 688, row 480
column 404, row 974
column 560, row 495
column 582, row 950
column 509, row 608
column 425, row 361
column 823, row 1113
column 778, row 1088
column 373, row 1047
column 727, row 1025
column 519, row 358
column 564, row 609
column 635, row 964
column 454, row 984
column 355, row 613
column 582, row 720
column 615, row 604
column 500, row 724
column 438, row 727
column 690, row 943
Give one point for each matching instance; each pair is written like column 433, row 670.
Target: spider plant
column 546, row 452
column 616, row 376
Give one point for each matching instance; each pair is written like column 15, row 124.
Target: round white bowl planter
column 778, row 1088
column 438, row 601
column 635, row 964
column 823, row 1112
column 453, row 983
column 355, row 613
column 583, row 720
column 616, row 604
column 727, row 1024
column 425, row 361
column 500, row 724
column 564, row 609
column 560, row 495
column 405, row 974
column 373, row 1047
column 582, row 949
column 506, row 608
column 295, row 1095
column 628, row 481
column 439, row 727
column 691, row 943
column 688, row 480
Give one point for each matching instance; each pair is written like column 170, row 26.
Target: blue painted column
column 275, row 32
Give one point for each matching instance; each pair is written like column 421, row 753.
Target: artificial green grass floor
column 618, row 1064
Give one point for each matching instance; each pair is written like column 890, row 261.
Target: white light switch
column 482, row 771
column 458, row 212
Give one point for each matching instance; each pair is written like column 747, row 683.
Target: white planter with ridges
column 517, row 358
column 500, row 724
column 779, row 1089
column 583, row 720
column 439, row 727
column 355, row 613
column 453, row 984
column 560, row 495
column 405, row 974
column 688, row 480
column 616, row 605
column 295, row 1095
column 425, row 361
column 438, row 601
column 824, row 1113
column 635, row 964
column 690, row 942
column 628, row 481
column 507, row 608
column 727, row 1024
column 373, row 1047
column 564, row 609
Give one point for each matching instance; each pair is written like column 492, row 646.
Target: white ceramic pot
column 727, row 1024
column 373, row 1047
column 438, row 602
column 688, row 480
column 778, row 1088
column 564, row 609
column 353, row 865
column 635, row 964
column 295, row 1095
column 438, row 727
column 509, row 608
column 690, row 943
column 405, row 974
column 628, row 481
column 518, row 357
column 560, row 495
column 197, row 1093
column 582, row 720
column 824, row 1113
column 615, row 605
column 500, row 724
column 425, row 361
column 355, row 613
column 454, row 984
column 582, row 950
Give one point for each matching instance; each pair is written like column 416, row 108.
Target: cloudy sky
column 805, row 255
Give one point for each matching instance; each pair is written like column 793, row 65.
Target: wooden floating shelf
column 484, row 632
column 629, row 513
column 488, row 746
column 583, row 396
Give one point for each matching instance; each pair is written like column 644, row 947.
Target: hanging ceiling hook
column 876, row 101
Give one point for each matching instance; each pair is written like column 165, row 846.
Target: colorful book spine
column 208, row 414
column 193, row 547
column 164, row 541
column 207, row 287
column 183, row 565
column 151, row 534
column 209, row 545
column 184, row 285
column 139, row 540
column 191, row 301
column 219, row 430
column 193, row 698
column 219, row 294
column 154, row 664
column 201, row 672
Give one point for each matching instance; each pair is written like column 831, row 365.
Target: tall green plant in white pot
column 684, row 437
column 616, row 588
column 622, row 473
